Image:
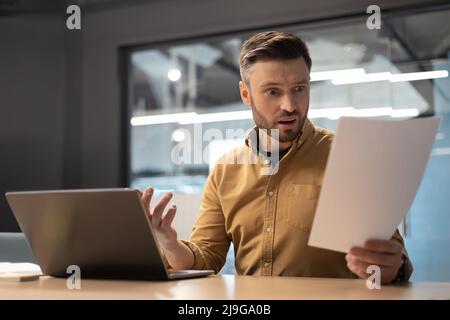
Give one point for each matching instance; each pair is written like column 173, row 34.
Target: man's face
column 278, row 93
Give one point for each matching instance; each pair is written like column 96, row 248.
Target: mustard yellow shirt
column 268, row 217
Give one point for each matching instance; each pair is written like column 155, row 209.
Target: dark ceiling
column 9, row 7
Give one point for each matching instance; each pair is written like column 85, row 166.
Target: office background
column 67, row 97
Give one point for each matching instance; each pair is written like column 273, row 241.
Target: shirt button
column 266, row 264
column 268, row 229
column 270, row 193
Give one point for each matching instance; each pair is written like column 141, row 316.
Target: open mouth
column 287, row 121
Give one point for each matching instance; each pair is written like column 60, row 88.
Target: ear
column 245, row 94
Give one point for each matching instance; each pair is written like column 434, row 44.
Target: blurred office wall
column 61, row 113
column 61, row 91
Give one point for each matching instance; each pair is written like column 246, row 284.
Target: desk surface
column 222, row 287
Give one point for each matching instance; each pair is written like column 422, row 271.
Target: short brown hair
column 271, row 45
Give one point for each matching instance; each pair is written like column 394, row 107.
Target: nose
column 288, row 103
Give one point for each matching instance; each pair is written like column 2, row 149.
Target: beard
column 287, row 135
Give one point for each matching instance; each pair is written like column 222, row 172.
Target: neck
column 266, row 143
column 285, row 145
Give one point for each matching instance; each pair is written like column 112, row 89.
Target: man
column 268, row 217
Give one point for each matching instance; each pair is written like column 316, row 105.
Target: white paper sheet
column 373, row 173
column 20, row 268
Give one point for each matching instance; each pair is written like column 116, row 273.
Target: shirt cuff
column 199, row 258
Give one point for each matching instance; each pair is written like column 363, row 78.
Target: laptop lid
column 103, row 231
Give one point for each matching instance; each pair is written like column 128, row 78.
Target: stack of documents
column 19, row 271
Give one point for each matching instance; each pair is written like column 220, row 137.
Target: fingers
column 371, row 257
column 159, row 209
column 357, row 267
column 157, row 215
column 360, row 268
column 359, row 259
column 168, row 218
column 147, row 197
column 384, row 246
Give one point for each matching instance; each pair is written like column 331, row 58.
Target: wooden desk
column 222, row 287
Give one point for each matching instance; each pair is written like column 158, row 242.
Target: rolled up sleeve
column 209, row 241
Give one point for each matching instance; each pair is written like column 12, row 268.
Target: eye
column 299, row 88
column 272, row 91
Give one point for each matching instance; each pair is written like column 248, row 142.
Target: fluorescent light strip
column 162, row 118
column 336, row 113
column 413, row 76
column 191, row 118
column 387, row 76
column 330, row 113
column 332, row 74
column 368, row 77
column 218, row 117
column 441, row 152
column 400, row 113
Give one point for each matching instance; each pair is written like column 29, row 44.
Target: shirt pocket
column 302, row 204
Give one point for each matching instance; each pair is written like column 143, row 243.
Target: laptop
column 105, row 232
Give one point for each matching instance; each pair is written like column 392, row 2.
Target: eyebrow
column 274, row 83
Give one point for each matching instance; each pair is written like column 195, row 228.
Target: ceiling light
column 178, row 135
column 333, row 74
column 174, row 75
column 413, row 76
column 387, row 76
column 161, row 118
